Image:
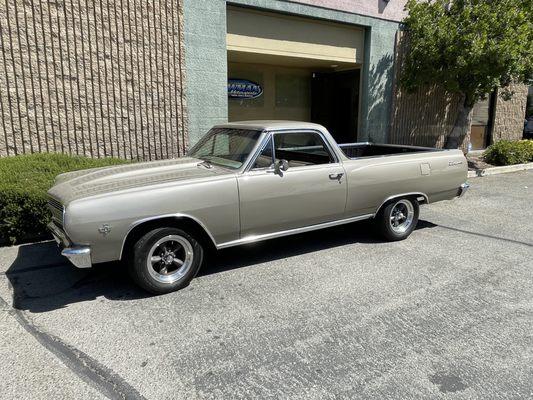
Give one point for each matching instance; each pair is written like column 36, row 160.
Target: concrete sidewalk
column 447, row 313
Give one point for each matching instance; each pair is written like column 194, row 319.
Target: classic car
column 241, row 183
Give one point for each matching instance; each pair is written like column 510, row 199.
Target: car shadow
column 42, row 280
column 289, row 246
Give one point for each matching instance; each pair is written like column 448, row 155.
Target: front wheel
column 397, row 219
column 165, row 260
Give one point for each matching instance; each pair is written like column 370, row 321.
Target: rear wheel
column 397, row 219
column 165, row 260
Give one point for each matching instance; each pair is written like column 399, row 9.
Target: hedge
column 24, row 181
column 507, row 152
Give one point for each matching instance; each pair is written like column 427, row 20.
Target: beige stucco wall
column 92, row 78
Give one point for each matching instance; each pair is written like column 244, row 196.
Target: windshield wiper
column 206, row 163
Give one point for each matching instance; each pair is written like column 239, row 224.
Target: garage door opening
column 290, row 68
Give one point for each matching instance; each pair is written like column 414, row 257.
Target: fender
column 162, row 216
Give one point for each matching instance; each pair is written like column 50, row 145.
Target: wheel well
column 187, row 224
column 421, row 198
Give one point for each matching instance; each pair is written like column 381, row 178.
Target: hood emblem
column 104, row 229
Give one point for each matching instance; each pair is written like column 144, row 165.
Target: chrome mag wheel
column 170, row 258
column 401, row 216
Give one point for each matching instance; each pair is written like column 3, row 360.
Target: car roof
column 271, row 125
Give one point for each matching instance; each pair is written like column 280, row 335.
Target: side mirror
column 281, row 166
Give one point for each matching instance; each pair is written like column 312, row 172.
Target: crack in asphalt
column 87, row 368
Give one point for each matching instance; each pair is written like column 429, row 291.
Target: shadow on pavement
column 422, row 224
column 290, row 246
column 43, row 280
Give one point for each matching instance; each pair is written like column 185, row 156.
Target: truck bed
column 366, row 149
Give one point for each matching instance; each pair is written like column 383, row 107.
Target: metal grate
column 56, row 208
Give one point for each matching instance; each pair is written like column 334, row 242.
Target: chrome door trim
column 291, row 170
column 268, row 138
column 257, row 151
column 267, row 236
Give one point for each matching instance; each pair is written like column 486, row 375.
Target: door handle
column 336, row 177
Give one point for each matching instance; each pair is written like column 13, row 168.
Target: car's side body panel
column 211, row 202
column 301, row 196
column 372, row 180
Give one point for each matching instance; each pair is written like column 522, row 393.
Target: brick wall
column 425, row 117
column 509, row 114
column 92, row 78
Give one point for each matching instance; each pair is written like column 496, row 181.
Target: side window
column 265, row 159
column 301, row 149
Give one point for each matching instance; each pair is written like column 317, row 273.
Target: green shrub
column 506, row 152
column 24, row 181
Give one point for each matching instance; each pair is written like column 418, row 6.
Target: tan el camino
column 243, row 182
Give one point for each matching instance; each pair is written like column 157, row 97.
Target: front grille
column 56, row 208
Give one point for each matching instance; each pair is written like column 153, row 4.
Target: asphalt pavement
column 332, row 314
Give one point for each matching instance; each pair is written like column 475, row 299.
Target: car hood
column 91, row 182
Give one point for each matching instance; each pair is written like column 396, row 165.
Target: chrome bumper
column 462, row 189
column 59, row 235
column 80, row 256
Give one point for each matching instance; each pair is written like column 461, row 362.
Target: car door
column 311, row 191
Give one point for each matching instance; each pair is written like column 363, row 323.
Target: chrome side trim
column 396, row 146
column 156, row 217
column 264, row 143
column 258, row 148
column 267, row 236
column 80, row 256
column 396, row 196
column 463, row 189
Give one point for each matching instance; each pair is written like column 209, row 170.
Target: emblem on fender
column 452, row 163
column 104, row 229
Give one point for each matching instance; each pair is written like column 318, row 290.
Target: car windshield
column 226, row 147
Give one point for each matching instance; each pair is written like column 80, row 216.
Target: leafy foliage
column 468, row 46
column 506, row 152
column 24, row 181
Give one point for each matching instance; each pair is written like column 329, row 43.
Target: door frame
column 357, row 111
column 270, row 137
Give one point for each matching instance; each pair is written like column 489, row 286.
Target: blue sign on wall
column 243, row 89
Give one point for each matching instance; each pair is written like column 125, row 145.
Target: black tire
column 386, row 225
column 175, row 244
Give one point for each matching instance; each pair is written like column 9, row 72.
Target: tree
column 468, row 47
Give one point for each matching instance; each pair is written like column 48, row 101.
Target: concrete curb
column 500, row 170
